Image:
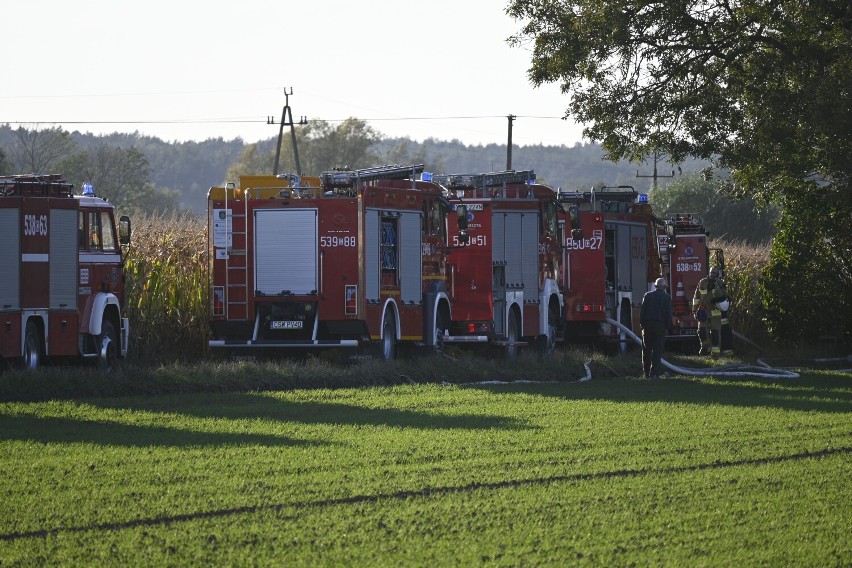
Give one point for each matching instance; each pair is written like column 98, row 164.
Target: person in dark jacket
column 655, row 319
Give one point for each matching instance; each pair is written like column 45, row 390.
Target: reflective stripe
column 31, row 257
column 100, row 258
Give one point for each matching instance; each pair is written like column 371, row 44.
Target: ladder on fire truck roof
column 682, row 223
column 622, row 193
column 32, row 185
column 350, row 178
column 482, row 181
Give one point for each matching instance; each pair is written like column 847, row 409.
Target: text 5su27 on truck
column 685, row 258
column 62, row 285
column 610, row 261
column 353, row 258
column 503, row 261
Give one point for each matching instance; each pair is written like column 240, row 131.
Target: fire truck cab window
column 438, row 215
column 94, row 230
column 107, row 236
column 389, row 251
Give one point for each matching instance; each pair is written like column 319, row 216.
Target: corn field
column 744, row 264
column 166, row 271
column 167, row 295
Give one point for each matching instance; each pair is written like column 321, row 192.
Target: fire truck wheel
column 438, row 340
column 388, row 344
column 512, row 335
column 31, row 358
column 108, row 348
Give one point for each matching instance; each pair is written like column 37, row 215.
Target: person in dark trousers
column 655, row 320
column 710, row 305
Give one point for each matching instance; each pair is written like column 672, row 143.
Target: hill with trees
column 178, row 174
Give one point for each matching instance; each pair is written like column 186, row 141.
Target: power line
column 261, row 121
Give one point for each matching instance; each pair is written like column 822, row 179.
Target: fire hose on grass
column 721, row 371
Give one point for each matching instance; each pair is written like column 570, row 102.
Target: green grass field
column 616, row 471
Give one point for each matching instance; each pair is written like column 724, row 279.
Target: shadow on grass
column 67, row 430
column 240, row 406
column 813, row 393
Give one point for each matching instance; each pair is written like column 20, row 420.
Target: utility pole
column 511, row 118
column 287, row 120
column 656, row 175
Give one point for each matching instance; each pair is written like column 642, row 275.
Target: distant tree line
column 146, row 174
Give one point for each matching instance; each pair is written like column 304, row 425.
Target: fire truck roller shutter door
column 498, row 232
column 371, row 255
column 10, row 258
column 286, row 249
column 514, row 250
column 411, row 263
column 63, row 259
column 529, row 267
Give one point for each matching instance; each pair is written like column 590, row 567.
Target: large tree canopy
column 761, row 87
column 741, row 82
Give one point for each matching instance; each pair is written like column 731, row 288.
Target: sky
column 185, row 70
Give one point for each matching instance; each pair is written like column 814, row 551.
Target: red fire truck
column 685, row 258
column 349, row 259
column 503, row 260
column 610, row 261
column 62, row 284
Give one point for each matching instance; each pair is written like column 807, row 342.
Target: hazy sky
column 185, row 70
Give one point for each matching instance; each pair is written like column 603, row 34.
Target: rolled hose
column 721, row 371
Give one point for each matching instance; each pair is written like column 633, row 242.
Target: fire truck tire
column 513, row 335
column 388, row 341
column 31, row 358
column 440, row 327
column 107, row 346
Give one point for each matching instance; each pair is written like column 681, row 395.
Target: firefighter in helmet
column 710, row 306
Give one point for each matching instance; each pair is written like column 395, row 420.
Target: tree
column 5, row 168
column 252, row 161
column 736, row 82
column 37, row 151
column 759, row 87
column 732, row 220
column 404, row 151
column 346, row 145
column 321, row 148
column 119, row 174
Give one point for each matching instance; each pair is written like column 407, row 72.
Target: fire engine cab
column 609, row 262
column 503, row 260
column 349, row 259
column 62, row 285
column 685, row 258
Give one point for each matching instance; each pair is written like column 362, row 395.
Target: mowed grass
column 621, row 471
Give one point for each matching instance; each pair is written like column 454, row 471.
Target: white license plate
column 288, row 324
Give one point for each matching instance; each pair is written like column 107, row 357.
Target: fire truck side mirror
column 577, row 234
column 464, row 238
column 461, row 211
column 124, row 230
